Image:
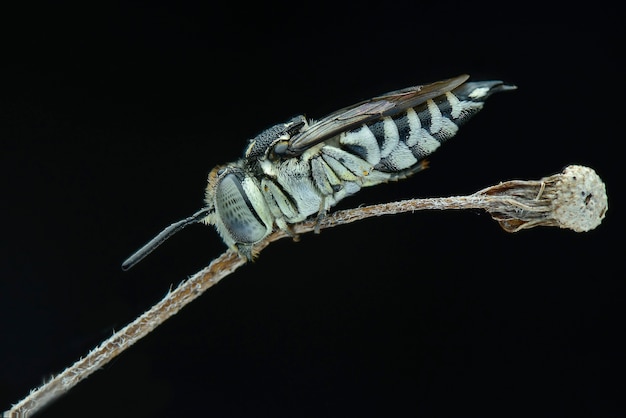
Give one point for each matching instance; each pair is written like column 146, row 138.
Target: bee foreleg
column 246, row 251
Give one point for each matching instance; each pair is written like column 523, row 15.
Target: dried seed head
column 580, row 199
column 575, row 199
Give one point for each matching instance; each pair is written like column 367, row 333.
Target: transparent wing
column 350, row 117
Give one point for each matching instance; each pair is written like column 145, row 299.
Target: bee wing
column 350, row 117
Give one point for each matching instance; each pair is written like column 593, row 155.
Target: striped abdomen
column 385, row 149
column 396, row 144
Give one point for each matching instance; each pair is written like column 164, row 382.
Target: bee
column 302, row 168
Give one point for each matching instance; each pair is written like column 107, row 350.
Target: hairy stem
column 574, row 199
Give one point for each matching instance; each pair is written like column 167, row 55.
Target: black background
column 112, row 115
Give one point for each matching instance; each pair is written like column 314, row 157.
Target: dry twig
column 574, row 199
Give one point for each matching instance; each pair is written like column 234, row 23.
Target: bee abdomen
column 398, row 143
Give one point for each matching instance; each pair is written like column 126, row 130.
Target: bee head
column 236, row 207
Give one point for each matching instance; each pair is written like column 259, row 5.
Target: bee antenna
column 163, row 235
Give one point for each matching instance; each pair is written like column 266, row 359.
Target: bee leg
column 282, row 224
column 320, row 217
column 321, row 214
column 246, row 251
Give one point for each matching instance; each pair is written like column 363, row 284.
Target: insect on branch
column 575, row 199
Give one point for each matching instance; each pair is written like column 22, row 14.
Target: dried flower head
column 575, row 199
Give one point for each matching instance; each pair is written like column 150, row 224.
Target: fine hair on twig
column 575, row 199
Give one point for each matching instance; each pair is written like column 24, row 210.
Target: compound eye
column 236, row 212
